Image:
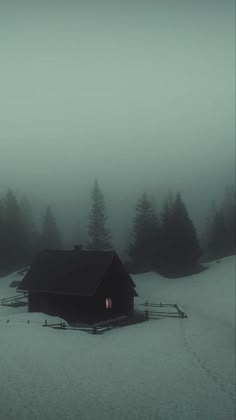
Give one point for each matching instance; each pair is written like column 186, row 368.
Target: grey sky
column 139, row 94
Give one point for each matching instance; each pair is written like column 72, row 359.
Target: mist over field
column 117, row 209
column 137, row 94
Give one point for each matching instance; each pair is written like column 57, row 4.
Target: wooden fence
column 98, row 328
column 14, row 300
column 157, row 314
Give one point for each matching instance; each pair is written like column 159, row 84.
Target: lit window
column 108, row 303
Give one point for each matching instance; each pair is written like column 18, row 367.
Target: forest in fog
column 117, row 209
column 163, row 240
column 140, row 96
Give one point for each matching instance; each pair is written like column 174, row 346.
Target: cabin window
column 108, row 303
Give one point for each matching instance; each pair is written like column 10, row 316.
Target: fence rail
column 14, row 300
column 98, row 328
column 93, row 329
column 157, row 314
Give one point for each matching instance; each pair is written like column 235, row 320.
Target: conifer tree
column 219, row 244
column 180, row 249
column 1, row 236
column 31, row 235
column 143, row 250
column 220, row 229
column 206, row 235
column 166, row 233
column 50, row 236
column 98, row 232
column 229, row 213
column 188, row 246
column 14, row 234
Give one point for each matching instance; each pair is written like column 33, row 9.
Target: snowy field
column 167, row 369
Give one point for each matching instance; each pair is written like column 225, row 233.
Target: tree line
column 220, row 231
column 20, row 239
column 166, row 242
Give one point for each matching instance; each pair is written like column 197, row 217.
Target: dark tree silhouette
column 219, row 245
column 220, row 230
column 143, row 250
column 166, row 233
column 14, row 253
column 2, row 228
column 50, row 236
column 31, row 235
column 98, row 232
column 206, row 234
column 229, row 213
column 180, row 249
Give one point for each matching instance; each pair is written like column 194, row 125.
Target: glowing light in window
column 108, row 303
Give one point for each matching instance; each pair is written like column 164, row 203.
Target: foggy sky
column 140, row 94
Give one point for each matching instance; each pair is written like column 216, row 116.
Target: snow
column 163, row 369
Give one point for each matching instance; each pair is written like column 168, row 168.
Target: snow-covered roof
column 73, row 272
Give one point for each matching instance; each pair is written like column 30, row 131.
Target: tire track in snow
column 212, row 375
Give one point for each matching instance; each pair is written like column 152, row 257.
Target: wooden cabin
column 79, row 286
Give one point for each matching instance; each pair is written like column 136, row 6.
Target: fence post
column 146, row 303
column 146, row 314
column 94, row 330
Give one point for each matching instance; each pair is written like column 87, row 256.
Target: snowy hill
column 181, row 369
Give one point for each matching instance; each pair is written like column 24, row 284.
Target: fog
column 140, row 95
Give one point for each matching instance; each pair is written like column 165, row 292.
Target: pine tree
column 143, row 250
column 207, row 232
column 50, row 236
column 98, row 232
column 188, row 247
column 13, row 233
column 1, row 237
column 229, row 212
column 180, row 249
column 30, row 232
column 219, row 244
column 220, row 229
column 166, row 233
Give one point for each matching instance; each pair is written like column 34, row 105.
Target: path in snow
column 212, row 375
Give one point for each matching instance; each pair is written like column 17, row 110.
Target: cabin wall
column 71, row 308
column 38, row 302
column 116, row 286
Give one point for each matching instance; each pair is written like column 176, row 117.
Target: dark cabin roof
column 71, row 272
